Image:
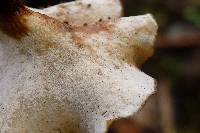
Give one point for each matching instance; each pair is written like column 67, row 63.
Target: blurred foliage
column 192, row 13
column 171, row 64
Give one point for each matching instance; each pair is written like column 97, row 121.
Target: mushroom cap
column 75, row 76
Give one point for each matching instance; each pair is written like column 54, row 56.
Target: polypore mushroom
column 72, row 72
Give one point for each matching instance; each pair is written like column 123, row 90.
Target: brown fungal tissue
column 72, row 67
column 11, row 15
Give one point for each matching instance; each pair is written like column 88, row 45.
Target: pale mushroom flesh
column 72, row 67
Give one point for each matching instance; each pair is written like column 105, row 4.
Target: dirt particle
column 85, row 24
column 66, row 22
column 94, row 28
column 89, row 5
column 104, row 113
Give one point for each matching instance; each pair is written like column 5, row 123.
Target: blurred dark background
column 175, row 108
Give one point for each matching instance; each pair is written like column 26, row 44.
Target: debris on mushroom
column 74, row 72
column 82, row 12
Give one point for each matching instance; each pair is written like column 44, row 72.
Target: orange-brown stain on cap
column 12, row 18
